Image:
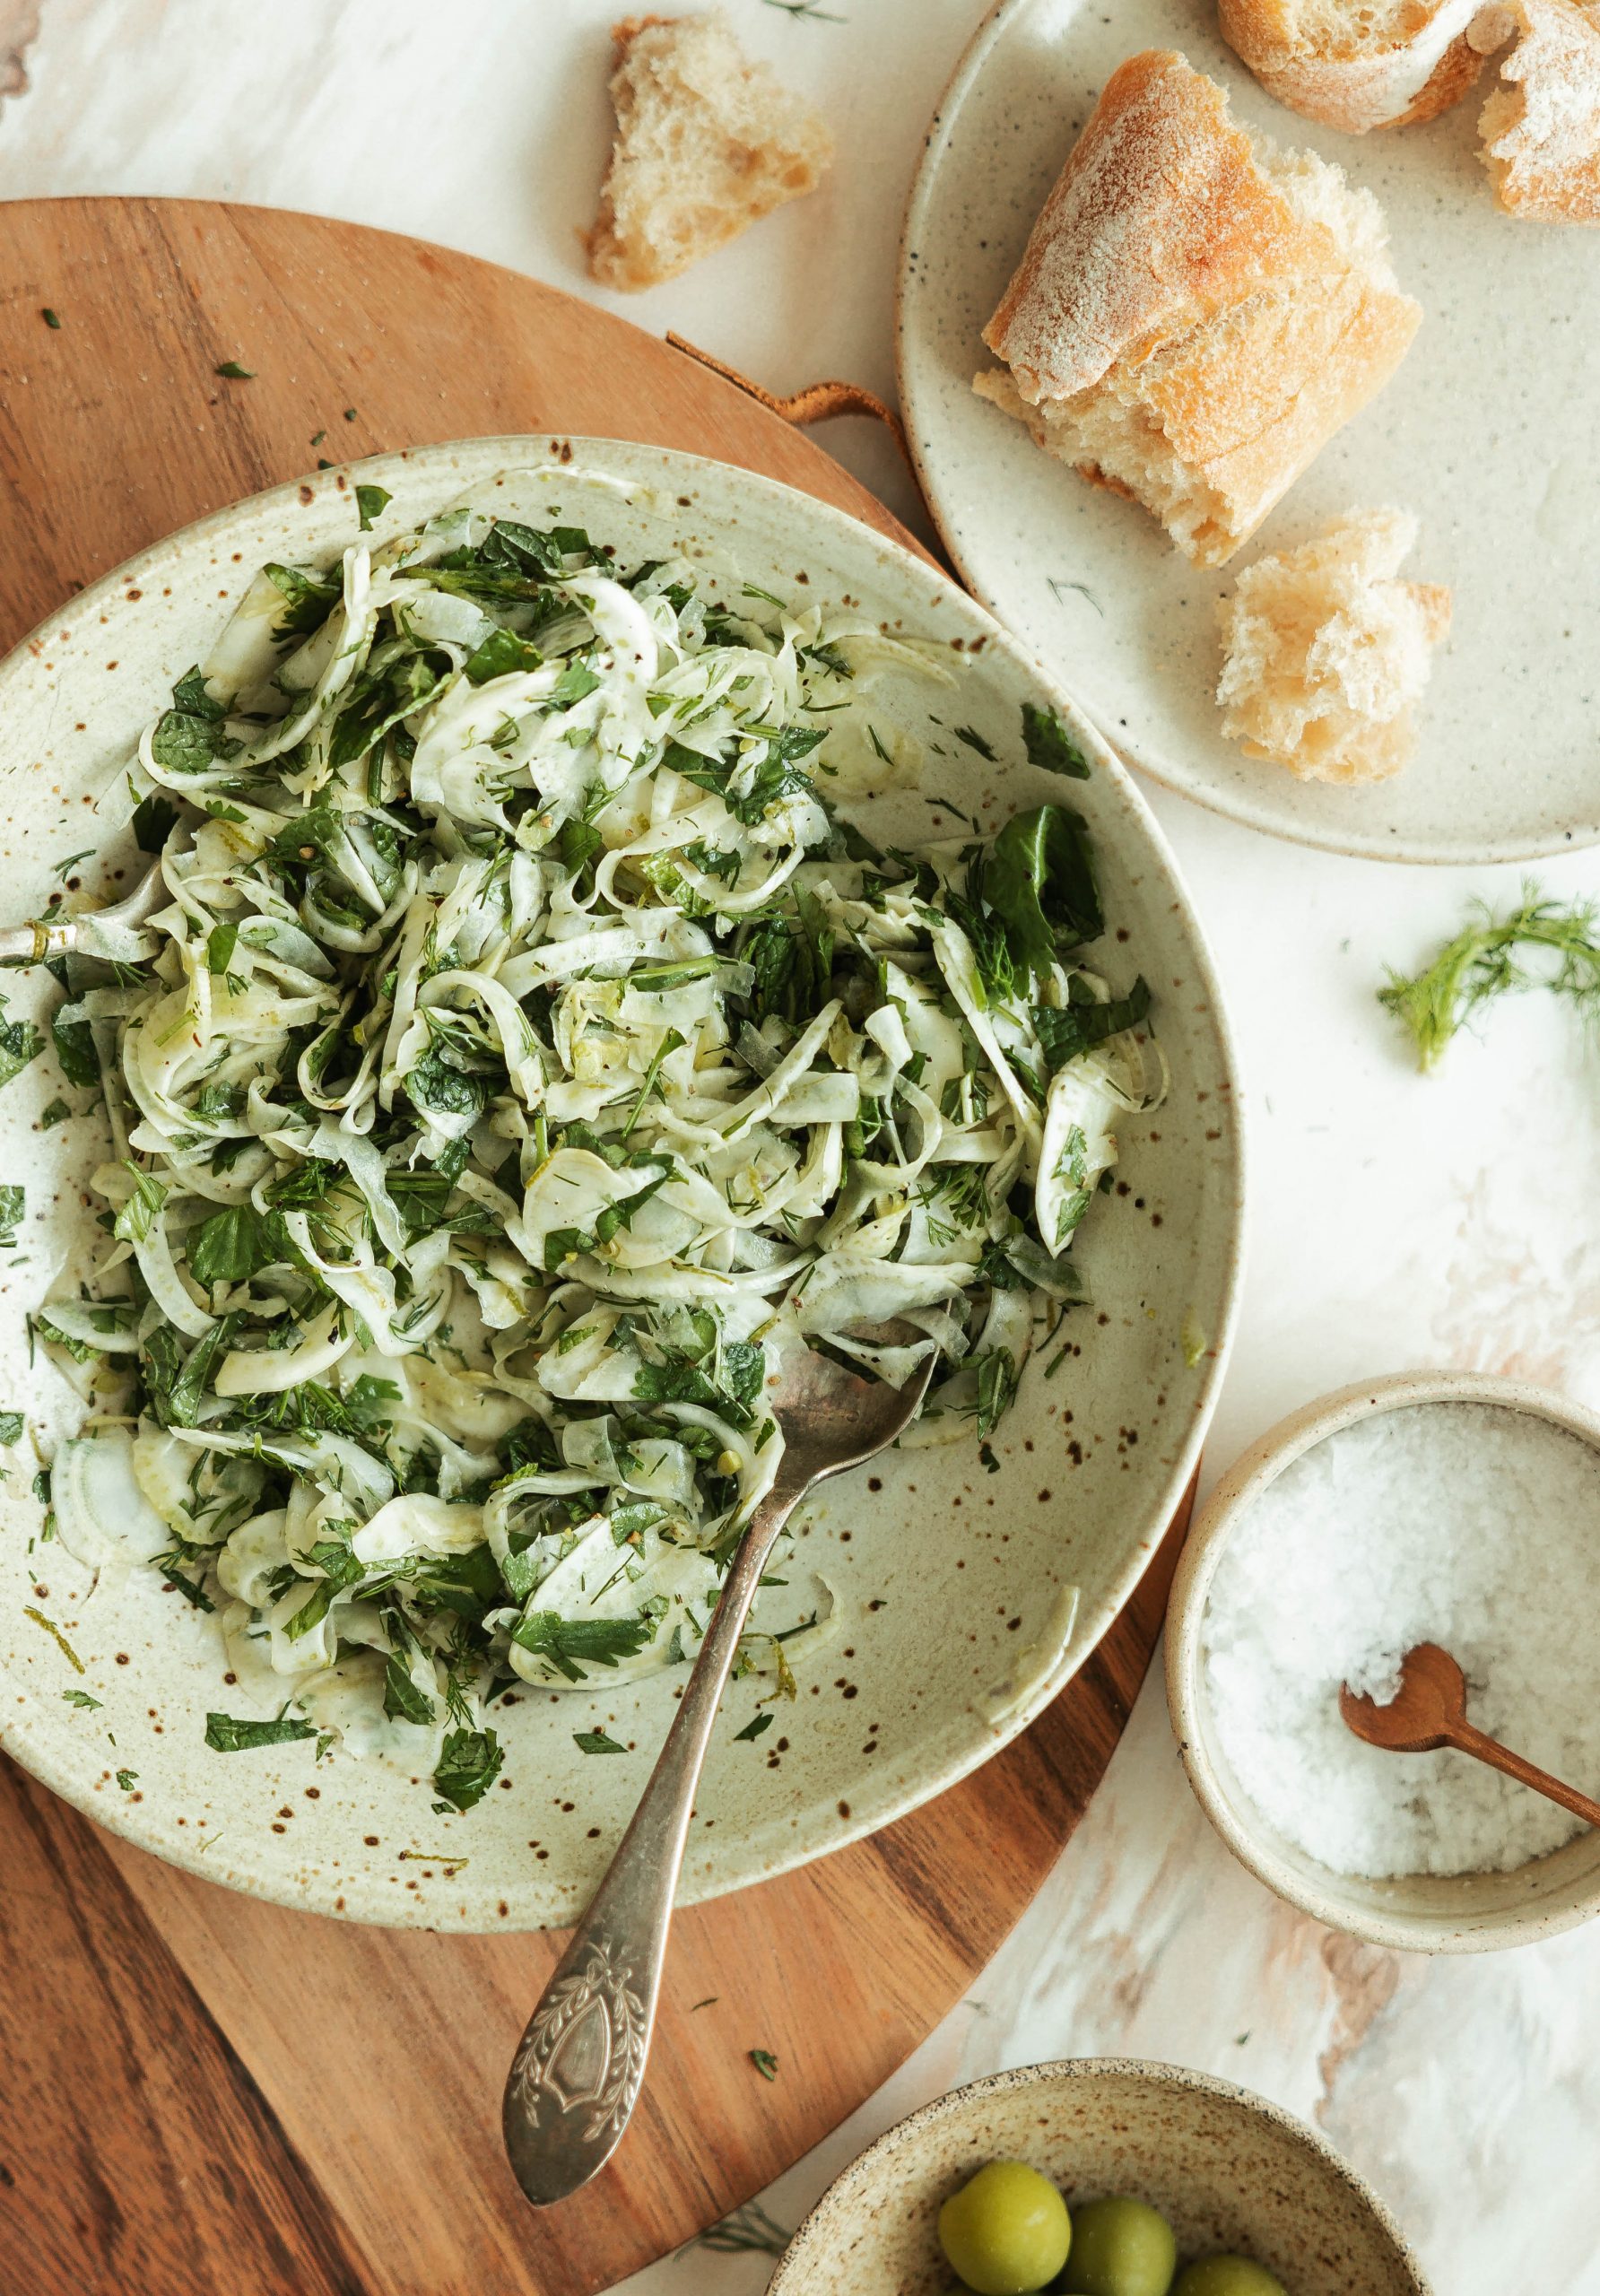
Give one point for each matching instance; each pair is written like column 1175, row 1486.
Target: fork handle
column 29, row 944
column 580, row 2063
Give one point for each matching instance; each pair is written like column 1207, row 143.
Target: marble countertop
column 1396, row 1219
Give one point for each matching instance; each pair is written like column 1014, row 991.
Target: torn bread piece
column 1193, row 317
column 1541, row 127
column 1357, row 65
column 707, row 142
column 1326, row 654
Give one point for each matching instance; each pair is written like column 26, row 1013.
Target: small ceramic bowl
column 1422, row 1913
column 1230, row 2173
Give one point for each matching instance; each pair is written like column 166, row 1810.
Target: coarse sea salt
column 1459, row 1523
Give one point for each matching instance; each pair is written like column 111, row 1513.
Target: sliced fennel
column 533, row 1056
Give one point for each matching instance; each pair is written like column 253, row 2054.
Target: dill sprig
column 1488, row 957
column 749, row 2228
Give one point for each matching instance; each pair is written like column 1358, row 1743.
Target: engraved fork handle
column 29, row 944
column 580, row 2064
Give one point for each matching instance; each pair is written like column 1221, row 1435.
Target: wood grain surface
column 201, row 2092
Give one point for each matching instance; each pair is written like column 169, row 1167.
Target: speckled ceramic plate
column 953, row 1588
column 1487, row 432
column 1230, row 2173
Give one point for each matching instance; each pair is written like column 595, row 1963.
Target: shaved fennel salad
column 532, row 1054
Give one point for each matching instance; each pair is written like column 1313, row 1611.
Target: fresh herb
column 1490, row 957
column 188, row 738
column 753, row 1728
column 235, row 1244
column 749, row 2230
column 12, row 1423
column 140, row 1214
column 372, row 502
column 595, row 1741
column 974, row 741
column 51, row 318
column 1048, row 743
column 235, row 373
column 155, row 819
column 14, row 1203
column 220, row 945
column 127, row 1780
column 467, row 1766
column 765, row 2063
column 81, row 1698
column 503, row 654
column 227, row 1735
column 19, row 1043
column 74, row 1050
column 573, row 1645
column 1065, row 1030
column 308, row 598
column 1040, row 882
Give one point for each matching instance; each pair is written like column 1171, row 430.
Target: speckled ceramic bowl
column 963, row 1600
column 1486, row 432
column 1420, row 1913
column 1230, row 2173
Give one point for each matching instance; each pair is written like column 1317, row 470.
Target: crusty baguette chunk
column 1326, row 654
column 1193, row 318
column 1357, row 65
column 707, row 142
column 1541, row 127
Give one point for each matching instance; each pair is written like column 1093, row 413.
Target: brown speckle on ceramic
column 946, row 1579
column 1230, row 2173
column 1418, row 1913
column 1487, row 432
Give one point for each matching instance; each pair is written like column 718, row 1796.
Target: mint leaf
column 468, row 1766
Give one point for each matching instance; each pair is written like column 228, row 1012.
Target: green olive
column 1227, row 2277
column 1120, row 2247
column 1007, row 2232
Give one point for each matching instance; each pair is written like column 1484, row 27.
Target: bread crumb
column 707, row 142
column 1325, row 652
column 1541, row 127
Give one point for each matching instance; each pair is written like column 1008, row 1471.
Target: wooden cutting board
column 202, row 2095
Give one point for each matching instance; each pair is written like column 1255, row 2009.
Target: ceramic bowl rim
column 34, row 1748
column 1237, row 1823
column 1162, row 768
column 845, row 2187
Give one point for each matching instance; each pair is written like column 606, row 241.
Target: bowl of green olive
column 1099, row 2176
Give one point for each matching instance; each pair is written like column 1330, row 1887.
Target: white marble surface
column 1396, row 1219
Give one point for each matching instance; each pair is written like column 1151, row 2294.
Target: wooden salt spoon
column 1430, row 1710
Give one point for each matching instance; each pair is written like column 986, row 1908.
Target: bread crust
column 1170, row 281
column 1541, row 126
column 1377, row 84
column 1159, row 209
